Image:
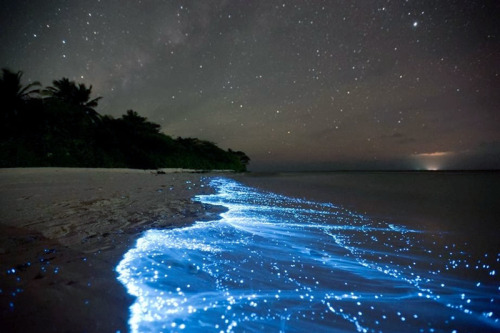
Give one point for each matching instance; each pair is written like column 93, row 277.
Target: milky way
column 294, row 84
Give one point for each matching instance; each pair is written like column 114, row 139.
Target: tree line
column 59, row 126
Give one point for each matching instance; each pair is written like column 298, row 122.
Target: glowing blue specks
column 280, row 264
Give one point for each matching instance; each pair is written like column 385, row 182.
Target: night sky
column 297, row 85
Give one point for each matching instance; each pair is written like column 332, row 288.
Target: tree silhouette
column 75, row 95
column 139, row 124
column 243, row 158
column 11, row 87
column 12, row 93
column 14, row 98
column 64, row 129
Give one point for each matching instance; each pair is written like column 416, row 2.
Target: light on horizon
column 432, row 161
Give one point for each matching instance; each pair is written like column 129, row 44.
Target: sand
column 63, row 231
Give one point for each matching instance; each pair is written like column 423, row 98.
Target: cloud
column 436, row 154
column 485, row 155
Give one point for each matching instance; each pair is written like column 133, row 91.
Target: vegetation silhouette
column 59, row 126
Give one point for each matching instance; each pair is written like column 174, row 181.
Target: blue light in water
column 274, row 263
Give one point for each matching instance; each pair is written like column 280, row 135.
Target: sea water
column 280, row 264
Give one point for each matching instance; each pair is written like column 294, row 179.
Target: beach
column 343, row 252
column 64, row 230
column 113, row 250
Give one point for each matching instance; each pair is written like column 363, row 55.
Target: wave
column 279, row 264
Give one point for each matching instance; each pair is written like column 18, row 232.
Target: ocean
column 341, row 252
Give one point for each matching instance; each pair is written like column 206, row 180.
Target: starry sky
column 297, row 85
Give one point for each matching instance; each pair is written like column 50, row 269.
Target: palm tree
column 14, row 99
column 12, row 92
column 75, row 95
column 139, row 124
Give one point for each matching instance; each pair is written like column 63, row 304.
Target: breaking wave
column 279, row 264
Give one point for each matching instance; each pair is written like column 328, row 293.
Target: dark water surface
column 279, row 263
column 463, row 203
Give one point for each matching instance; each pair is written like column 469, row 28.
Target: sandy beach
column 62, row 232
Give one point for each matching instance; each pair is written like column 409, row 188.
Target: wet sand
column 63, row 231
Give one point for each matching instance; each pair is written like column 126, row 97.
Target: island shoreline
column 64, row 230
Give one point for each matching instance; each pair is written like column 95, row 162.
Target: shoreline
column 64, row 230
column 465, row 205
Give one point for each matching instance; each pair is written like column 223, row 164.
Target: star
column 286, row 64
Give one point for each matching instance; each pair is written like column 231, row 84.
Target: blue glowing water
column 278, row 264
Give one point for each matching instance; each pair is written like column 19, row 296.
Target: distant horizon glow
column 434, row 161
